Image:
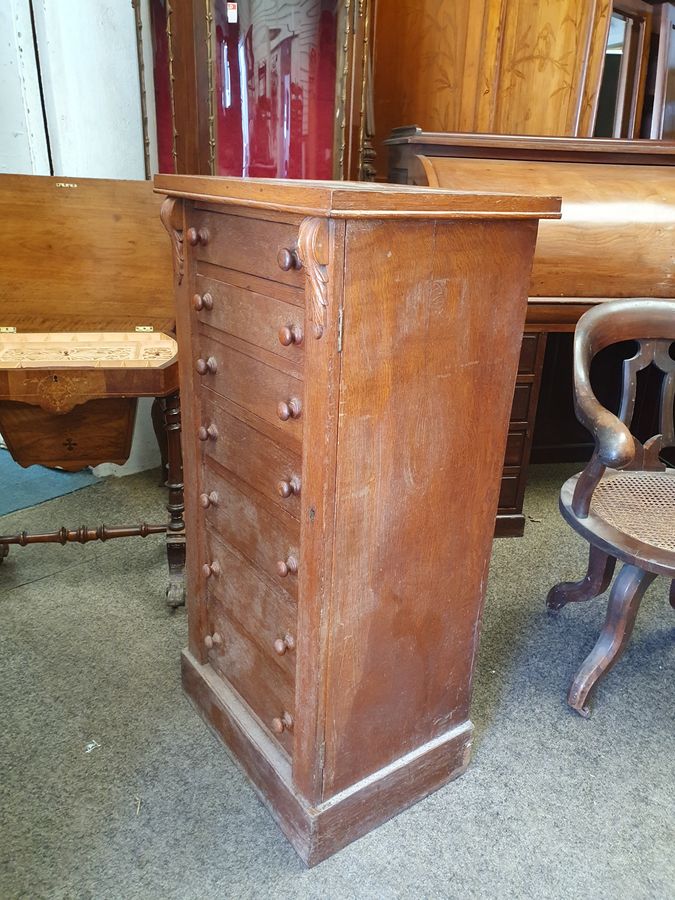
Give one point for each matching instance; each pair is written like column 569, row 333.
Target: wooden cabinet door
column 496, row 66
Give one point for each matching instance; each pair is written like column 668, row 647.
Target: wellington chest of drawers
column 339, row 521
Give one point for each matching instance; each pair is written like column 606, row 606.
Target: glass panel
column 274, row 81
column 611, row 87
column 669, row 99
column 161, row 71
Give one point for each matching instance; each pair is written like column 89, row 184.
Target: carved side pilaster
column 313, row 251
column 172, row 220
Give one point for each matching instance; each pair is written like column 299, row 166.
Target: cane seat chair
column 623, row 503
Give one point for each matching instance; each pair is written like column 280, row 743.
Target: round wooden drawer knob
column 207, row 366
column 202, row 301
column 289, row 409
column 212, row 640
column 197, row 236
column 281, row 645
column 209, row 569
column 210, row 499
column 288, row 259
column 290, row 334
column 289, row 488
column 283, row 723
column 206, row 433
column 288, row 566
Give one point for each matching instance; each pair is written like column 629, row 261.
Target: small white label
column 232, row 12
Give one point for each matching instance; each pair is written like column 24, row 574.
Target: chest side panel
column 433, row 320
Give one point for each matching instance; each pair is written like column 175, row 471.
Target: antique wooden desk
column 616, row 238
column 86, row 315
column 339, row 522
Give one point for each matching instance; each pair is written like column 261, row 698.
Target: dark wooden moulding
column 615, row 239
column 339, row 524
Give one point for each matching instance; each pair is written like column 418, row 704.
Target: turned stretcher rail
column 83, row 535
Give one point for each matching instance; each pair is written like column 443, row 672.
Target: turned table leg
column 624, row 602
column 175, row 535
column 158, row 424
column 595, row 581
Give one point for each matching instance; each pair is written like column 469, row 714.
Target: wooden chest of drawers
column 510, row 518
column 339, row 524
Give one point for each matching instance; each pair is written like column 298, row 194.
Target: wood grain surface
column 83, row 251
column 407, row 590
column 617, row 229
column 516, row 67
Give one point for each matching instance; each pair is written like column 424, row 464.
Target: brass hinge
column 340, row 329
column 144, row 328
column 7, row 329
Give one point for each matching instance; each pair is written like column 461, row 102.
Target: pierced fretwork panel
column 656, row 353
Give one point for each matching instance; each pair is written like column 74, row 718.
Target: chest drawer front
column 269, row 323
column 271, row 543
column 267, row 690
column 267, row 615
column 248, row 245
column 254, row 458
column 273, row 395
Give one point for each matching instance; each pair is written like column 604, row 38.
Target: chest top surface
column 355, row 199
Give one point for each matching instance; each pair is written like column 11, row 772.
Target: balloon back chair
column 623, row 503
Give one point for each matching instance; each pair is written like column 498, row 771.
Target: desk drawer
column 275, row 396
column 521, row 402
column 515, row 448
column 270, row 542
column 265, row 321
column 247, row 245
column 253, row 457
column 508, row 494
column 527, row 364
column 264, row 686
column 268, row 616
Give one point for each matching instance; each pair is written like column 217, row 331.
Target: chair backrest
column 651, row 325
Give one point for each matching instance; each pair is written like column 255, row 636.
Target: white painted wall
column 88, row 61
column 23, row 143
column 91, row 89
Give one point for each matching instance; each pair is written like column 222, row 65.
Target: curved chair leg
column 595, row 582
column 624, row 602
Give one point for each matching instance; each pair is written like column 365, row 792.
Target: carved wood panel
column 500, row 66
column 548, row 68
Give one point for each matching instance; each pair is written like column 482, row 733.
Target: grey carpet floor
column 552, row 806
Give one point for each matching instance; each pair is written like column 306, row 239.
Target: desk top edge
column 659, row 152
